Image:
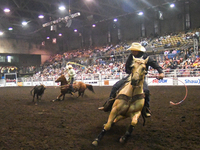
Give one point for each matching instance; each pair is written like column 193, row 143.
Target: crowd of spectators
column 184, row 61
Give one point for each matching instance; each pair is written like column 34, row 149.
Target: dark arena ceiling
column 91, row 11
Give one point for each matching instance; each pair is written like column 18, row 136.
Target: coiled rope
column 186, row 92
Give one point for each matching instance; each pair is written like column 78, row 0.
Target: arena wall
column 180, row 81
column 16, row 46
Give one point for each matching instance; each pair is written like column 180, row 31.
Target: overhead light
column 60, row 34
column 115, row 20
column 1, row 33
column 6, row 10
column 140, row 13
column 41, row 16
column 10, row 28
column 75, row 30
column 62, row 7
column 172, row 5
column 93, row 25
column 24, row 23
column 48, row 37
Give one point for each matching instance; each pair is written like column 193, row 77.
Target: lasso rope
column 186, row 92
column 75, row 64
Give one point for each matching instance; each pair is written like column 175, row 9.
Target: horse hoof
column 95, row 143
column 122, row 140
column 55, row 100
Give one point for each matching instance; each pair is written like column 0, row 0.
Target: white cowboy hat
column 69, row 67
column 137, row 47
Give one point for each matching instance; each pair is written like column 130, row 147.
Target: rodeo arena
column 100, row 75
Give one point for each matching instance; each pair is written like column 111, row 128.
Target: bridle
column 141, row 75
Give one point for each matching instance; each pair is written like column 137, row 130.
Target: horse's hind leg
column 128, row 133
column 82, row 93
column 79, row 94
column 63, row 97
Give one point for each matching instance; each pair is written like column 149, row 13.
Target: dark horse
column 78, row 86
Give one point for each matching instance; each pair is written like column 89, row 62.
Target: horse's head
column 138, row 71
column 62, row 79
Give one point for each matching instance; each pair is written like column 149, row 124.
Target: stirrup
column 148, row 112
column 148, row 115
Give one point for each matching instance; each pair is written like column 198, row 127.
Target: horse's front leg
column 63, row 96
column 107, row 126
column 58, row 98
column 128, row 133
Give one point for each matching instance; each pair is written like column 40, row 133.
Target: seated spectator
column 171, row 64
column 167, row 45
column 178, row 44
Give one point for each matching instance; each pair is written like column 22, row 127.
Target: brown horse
column 129, row 101
column 78, row 86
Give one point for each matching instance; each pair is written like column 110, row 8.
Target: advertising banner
column 92, row 82
column 156, row 82
column 11, row 84
column 189, row 80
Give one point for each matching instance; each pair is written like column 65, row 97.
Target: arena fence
column 178, row 77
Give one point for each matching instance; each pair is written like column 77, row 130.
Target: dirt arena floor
column 73, row 124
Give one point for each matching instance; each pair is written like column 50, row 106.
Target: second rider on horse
column 71, row 74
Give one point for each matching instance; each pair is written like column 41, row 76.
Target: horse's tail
column 90, row 87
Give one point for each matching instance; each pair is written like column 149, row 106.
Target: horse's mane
column 63, row 77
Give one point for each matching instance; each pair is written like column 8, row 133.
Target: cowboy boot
column 107, row 105
column 148, row 112
column 72, row 90
column 146, row 105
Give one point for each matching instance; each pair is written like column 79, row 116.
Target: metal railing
column 99, row 78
